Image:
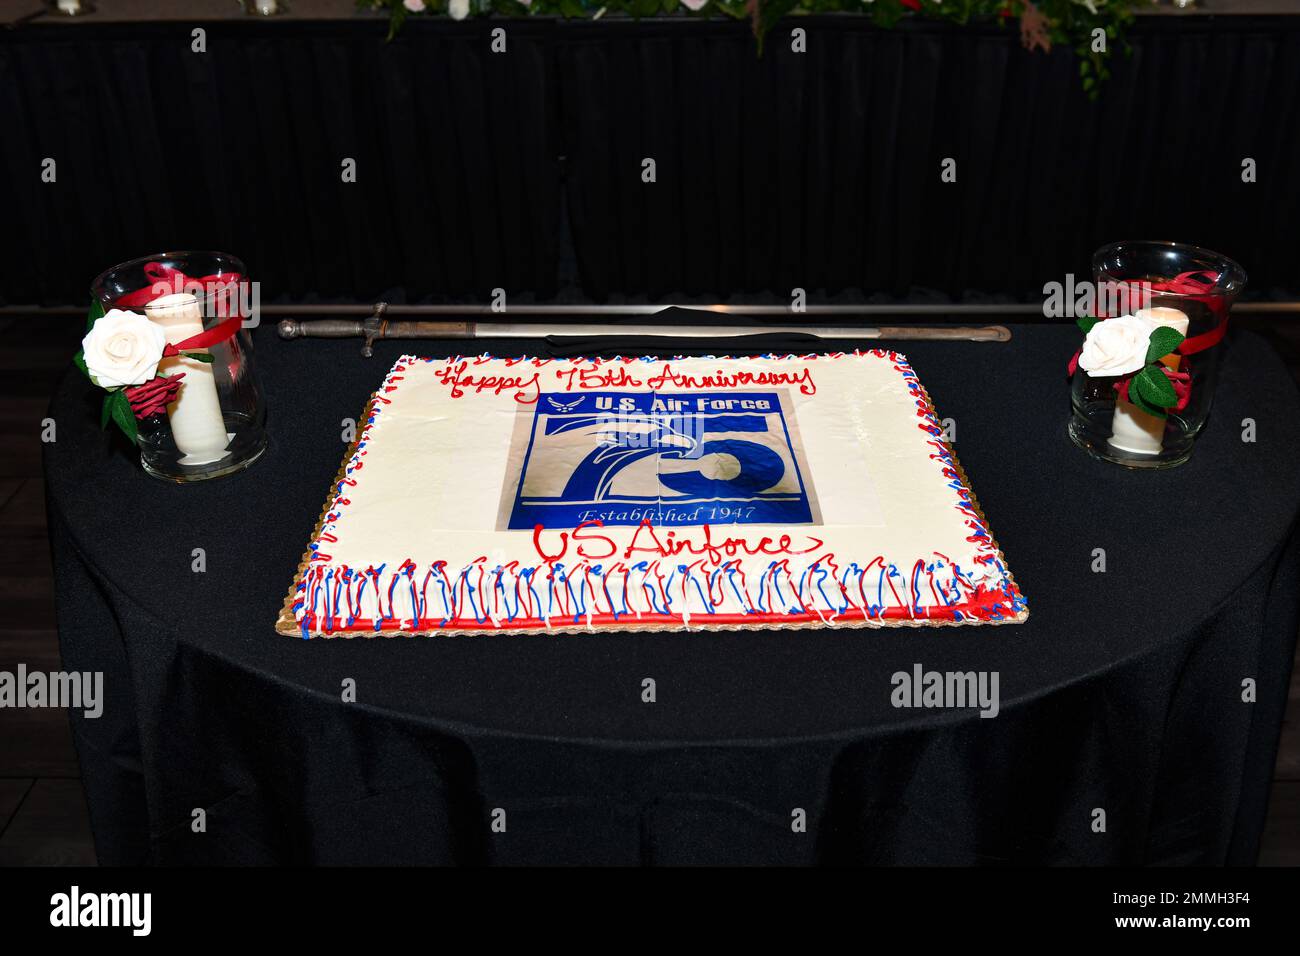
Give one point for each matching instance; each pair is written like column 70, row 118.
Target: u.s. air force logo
column 688, row 458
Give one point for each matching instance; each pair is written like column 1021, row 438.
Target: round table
column 1139, row 706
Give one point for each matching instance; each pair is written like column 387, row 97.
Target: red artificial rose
column 911, row 4
column 154, row 395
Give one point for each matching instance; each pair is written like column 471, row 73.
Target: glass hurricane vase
column 216, row 425
column 1166, row 283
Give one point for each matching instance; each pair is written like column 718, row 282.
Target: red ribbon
column 1197, row 285
column 166, row 280
column 1194, row 285
column 202, row 340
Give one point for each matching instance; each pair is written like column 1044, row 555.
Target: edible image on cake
column 673, row 459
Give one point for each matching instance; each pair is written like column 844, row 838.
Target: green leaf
column 1086, row 322
column 79, row 360
column 1154, row 387
column 1163, row 341
column 95, row 314
column 204, row 357
column 397, row 18
column 106, row 411
column 123, row 416
column 1136, row 399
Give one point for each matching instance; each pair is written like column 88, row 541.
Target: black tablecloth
column 1123, row 692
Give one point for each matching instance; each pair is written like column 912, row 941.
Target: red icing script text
column 589, row 544
column 526, row 386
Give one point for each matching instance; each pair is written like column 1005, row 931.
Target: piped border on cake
column 326, row 600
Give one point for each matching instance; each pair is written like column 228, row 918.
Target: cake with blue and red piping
column 564, row 495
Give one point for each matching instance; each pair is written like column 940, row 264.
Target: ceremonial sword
column 377, row 326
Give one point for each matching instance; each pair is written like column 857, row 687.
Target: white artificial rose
column 458, row 9
column 123, row 348
column 1116, row 346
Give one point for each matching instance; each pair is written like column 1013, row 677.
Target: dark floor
column 43, row 817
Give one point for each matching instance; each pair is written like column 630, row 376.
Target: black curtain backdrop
column 819, row 170
column 241, row 149
column 822, row 170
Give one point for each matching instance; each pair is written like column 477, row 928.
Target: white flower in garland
column 123, row 348
column 696, row 5
column 458, row 9
column 1116, row 346
column 415, row 6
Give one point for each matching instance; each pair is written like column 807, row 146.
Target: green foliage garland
column 1044, row 23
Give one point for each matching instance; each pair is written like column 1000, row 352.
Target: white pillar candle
column 1133, row 430
column 197, row 425
column 1176, row 319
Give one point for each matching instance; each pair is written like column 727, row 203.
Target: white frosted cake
column 523, row 495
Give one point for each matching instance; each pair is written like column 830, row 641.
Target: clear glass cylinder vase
column 217, row 424
column 1166, row 283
